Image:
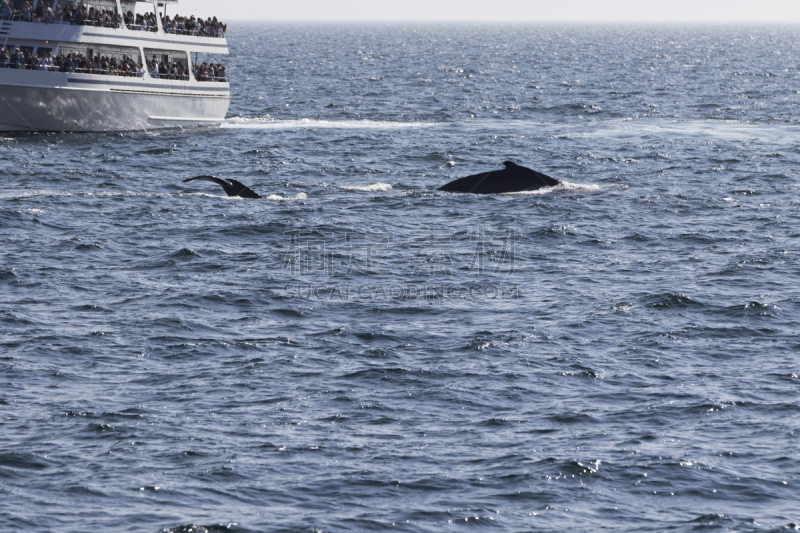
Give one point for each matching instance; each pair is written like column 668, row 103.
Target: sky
column 576, row 11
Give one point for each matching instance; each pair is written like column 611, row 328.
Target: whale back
column 513, row 178
column 467, row 184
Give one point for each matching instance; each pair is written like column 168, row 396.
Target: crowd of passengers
column 70, row 14
column 178, row 25
column 177, row 71
column 81, row 16
column 70, row 63
column 74, row 62
column 141, row 22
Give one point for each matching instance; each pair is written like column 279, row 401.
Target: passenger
column 16, row 59
column 49, row 17
column 6, row 13
column 26, row 15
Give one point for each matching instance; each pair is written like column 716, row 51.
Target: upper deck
column 120, row 32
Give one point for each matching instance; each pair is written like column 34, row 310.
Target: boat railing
column 219, row 34
column 94, row 23
column 108, row 72
column 139, row 27
column 224, row 79
column 204, row 32
column 185, row 77
column 71, row 70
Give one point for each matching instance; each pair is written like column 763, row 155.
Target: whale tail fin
column 243, row 191
column 213, row 179
column 231, row 187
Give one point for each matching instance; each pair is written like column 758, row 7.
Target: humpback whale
column 513, row 178
column 232, row 187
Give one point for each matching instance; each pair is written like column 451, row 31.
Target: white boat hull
column 43, row 101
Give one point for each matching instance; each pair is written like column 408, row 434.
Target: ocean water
column 359, row 352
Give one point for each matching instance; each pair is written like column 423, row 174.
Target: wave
column 19, row 195
column 298, row 196
column 16, row 195
column 375, row 187
column 126, row 194
column 566, row 188
column 621, row 126
column 306, row 123
column 731, row 130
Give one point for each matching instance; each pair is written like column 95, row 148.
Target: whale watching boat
column 108, row 65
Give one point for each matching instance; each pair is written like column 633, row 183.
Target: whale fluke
column 232, row 187
column 513, row 178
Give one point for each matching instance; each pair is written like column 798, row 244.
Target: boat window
column 43, row 51
column 67, row 51
column 167, row 64
column 27, row 50
column 120, row 53
column 167, row 56
column 102, row 6
column 208, row 67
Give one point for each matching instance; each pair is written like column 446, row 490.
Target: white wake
column 375, row 187
column 273, row 124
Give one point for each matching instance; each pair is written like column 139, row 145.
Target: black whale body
column 231, row 187
column 513, row 178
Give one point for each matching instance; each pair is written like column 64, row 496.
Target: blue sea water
column 359, row 352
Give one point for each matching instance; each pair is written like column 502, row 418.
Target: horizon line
column 526, row 22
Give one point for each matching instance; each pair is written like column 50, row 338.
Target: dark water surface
column 359, row 352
